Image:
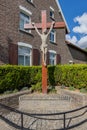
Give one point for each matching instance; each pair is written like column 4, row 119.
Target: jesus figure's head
column 44, row 31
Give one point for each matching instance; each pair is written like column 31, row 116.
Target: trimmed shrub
column 68, row 75
column 17, row 77
column 51, row 78
column 36, row 87
column 58, row 75
column 73, row 75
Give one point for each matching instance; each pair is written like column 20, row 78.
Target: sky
column 75, row 13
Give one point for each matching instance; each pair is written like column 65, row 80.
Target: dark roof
column 76, row 47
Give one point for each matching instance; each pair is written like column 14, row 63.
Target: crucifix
column 44, row 26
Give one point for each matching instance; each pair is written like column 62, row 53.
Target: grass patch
column 83, row 90
column 71, row 88
column 52, row 89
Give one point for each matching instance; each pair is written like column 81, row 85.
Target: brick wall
column 11, row 34
column 79, row 98
column 12, row 100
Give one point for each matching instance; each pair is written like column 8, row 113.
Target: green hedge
column 71, row 75
column 74, row 75
column 17, row 77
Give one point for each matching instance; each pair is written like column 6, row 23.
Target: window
column 30, row 1
column 53, row 36
column 52, row 57
column 24, row 19
column 24, row 55
column 51, row 12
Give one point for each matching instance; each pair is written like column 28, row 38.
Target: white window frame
column 31, row 1
column 21, row 44
column 52, row 11
column 27, row 13
column 54, row 35
column 53, row 52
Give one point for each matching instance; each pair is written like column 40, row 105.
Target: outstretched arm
column 51, row 27
column 33, row 24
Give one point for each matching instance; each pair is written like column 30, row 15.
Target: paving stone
column 48, row 122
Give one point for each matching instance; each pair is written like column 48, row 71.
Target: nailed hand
column 33, row 24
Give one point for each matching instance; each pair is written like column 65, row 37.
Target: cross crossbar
column 39, row 25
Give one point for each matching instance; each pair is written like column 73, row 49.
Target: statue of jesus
column 44, row 36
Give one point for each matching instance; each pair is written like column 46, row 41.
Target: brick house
column 22, row 47
column 78, row 55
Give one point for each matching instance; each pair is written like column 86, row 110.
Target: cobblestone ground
column 33, row 123
column 75, row 121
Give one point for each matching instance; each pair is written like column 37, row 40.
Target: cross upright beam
column 44, row 20
column 44, row 68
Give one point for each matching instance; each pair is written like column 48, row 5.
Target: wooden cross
column 44, row 25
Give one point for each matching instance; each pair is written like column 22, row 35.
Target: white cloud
column 83, row 42
column 81, row 28
column 82, row 21
column 71, row 39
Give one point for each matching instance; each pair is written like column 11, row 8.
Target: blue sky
column 75, row 13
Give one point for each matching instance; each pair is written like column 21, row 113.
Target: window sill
column 54, row 43
column 31, row 3
column 23, row 31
